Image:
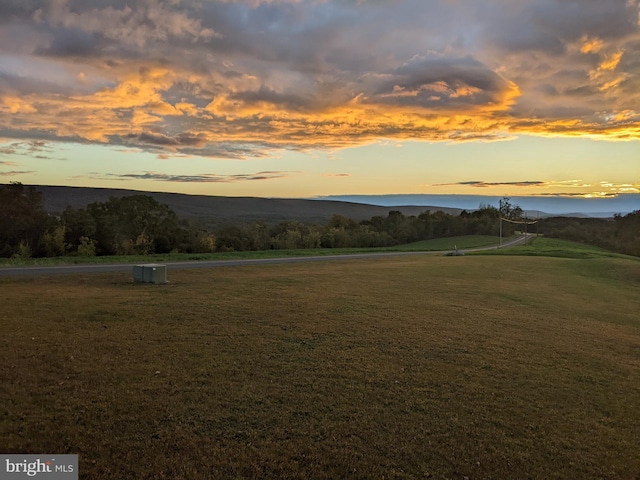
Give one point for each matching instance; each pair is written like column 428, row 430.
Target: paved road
column 127, row 267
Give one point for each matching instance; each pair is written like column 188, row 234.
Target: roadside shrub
column 87, row 247
column 24, row 251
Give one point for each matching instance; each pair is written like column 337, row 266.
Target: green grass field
column 405, row 367
column 553, row 247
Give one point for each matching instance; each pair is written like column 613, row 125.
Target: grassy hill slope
column 413, row 367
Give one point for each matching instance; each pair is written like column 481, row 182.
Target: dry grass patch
column 441, row 367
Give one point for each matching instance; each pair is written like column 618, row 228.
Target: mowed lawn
column 405, row 367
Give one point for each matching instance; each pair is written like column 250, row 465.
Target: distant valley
column 541, row 205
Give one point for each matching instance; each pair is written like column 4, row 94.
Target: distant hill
column 538, row 214
column 546, row 205
column 212, row 210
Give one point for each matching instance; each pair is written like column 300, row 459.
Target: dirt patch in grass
column 421, row 367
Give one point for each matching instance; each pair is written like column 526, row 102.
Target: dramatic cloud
column 241, row 78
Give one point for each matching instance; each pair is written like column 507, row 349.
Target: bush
column 24, row 251
column 87, row 247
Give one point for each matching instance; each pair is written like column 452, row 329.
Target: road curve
column 127, row 267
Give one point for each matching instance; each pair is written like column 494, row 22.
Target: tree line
column 620, row 234
column 138, row 224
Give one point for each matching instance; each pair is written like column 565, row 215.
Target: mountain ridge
column 215, row 210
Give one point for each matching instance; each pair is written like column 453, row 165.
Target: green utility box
column 150, row 273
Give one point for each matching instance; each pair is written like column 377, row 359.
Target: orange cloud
column 141, row 88
column 591, row 45
column 610, row 62
column 13, row 105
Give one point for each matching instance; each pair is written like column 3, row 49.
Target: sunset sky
column 305, row 98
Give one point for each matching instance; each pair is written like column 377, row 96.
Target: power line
column 525, row 222
column 519, row 222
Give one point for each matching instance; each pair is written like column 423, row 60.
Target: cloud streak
column 239, row 79
column 15, row 173
column 603, row 189
column 480, row 184
column 32, row 148
column 200, row 178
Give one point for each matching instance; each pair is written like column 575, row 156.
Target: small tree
column 143, row 244
column 87, row 247
column 53, row 242
column 78, row 223
column 202, row 241
column 23, row 251
column 510, row 211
